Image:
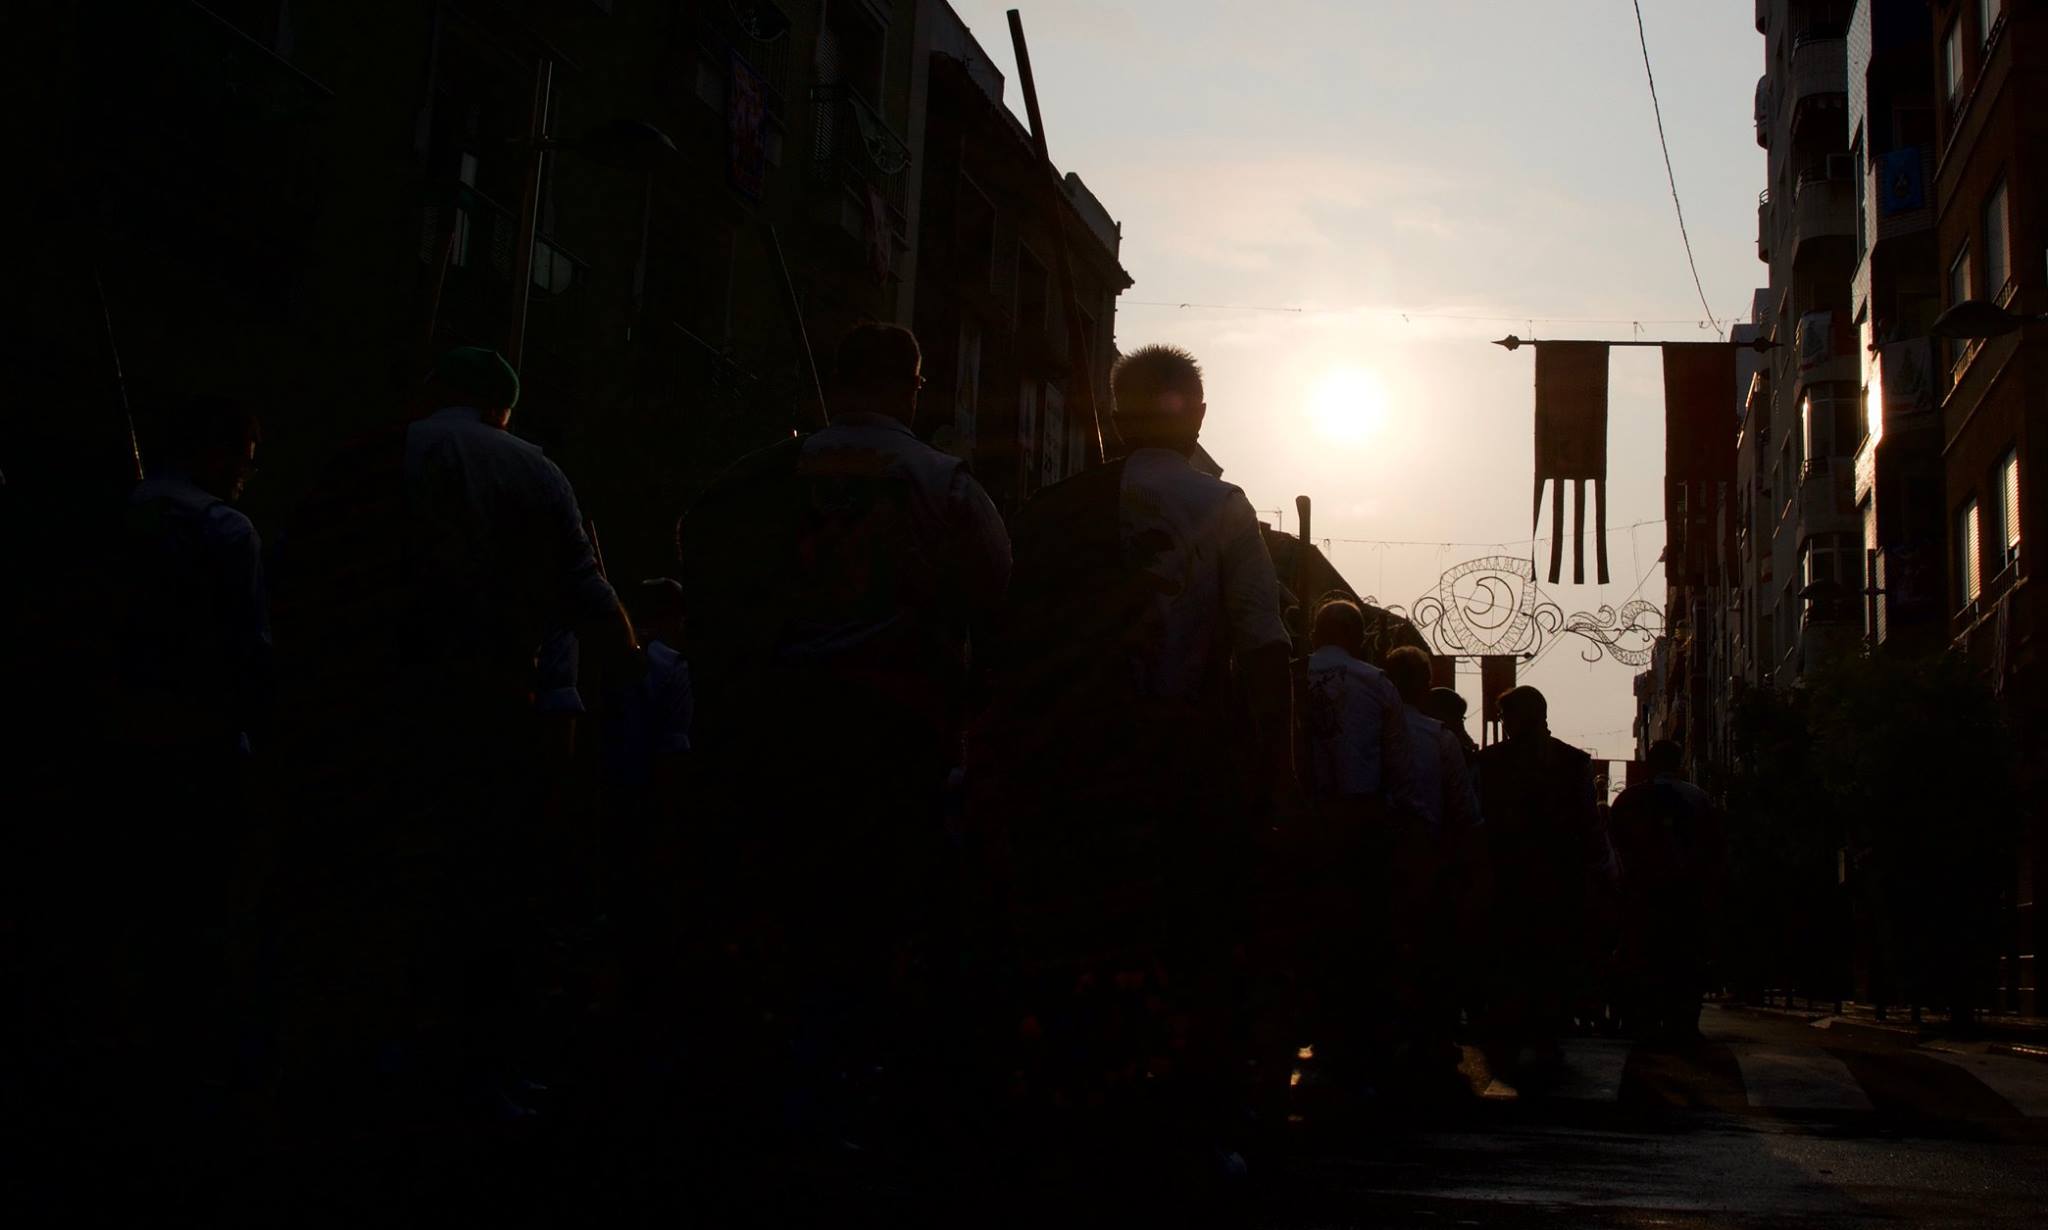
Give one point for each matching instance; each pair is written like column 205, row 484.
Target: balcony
column 849, row 137
column 1820, row 67
column 1762, row 111
column 1822, row 209
column 1763, row 16
column 1763, row 226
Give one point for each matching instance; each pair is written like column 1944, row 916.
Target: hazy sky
column 1369, row 158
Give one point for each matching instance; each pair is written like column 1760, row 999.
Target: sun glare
column 1348, row 405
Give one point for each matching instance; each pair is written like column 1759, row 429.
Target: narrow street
column 1768, row 1122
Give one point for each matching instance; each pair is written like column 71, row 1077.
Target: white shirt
column 1443, row 781
column 1214, row 593
column 1356, row 727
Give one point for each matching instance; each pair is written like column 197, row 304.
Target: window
column 1831, row 575
column 2008, row 480
column 1959, row 277
column 977, row 223
column 1988, row 14
column 850, row 50
column 1032, row 293
column 1054, row 454
column 1996, row 266
column 1027, row 429
column 1952, row 62
column 1969, row 571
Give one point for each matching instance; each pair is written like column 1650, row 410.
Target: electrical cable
column 1670, row 177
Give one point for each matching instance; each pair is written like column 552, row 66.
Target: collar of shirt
column 1329, row 655
column 467, row 413
column 863, row 418
column 1157, row 455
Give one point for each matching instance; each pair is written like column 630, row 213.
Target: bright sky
column 1360, row 159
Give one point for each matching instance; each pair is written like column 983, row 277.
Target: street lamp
column 1979, row 318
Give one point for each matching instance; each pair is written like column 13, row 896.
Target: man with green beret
column 495, row 557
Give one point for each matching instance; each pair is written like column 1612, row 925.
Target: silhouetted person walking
column 1139, row 737
column 1337, row 863
column 1668, row 837
column 193, row 688
column 1429, row 856
column 832, row 583
column 1551, row 872
column 495, row 556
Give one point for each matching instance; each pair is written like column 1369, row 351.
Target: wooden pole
column 120, row 375
column 796, row 316
column 1077, row 337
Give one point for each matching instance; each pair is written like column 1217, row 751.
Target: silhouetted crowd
column 881, row 827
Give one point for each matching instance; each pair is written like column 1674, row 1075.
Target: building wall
column 268, row 201
column 1992, row 130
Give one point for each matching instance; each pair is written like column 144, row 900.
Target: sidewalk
column 1995, row 1033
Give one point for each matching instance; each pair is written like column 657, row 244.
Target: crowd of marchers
column 927, row 821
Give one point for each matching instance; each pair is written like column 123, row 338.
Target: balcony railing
column 1762, row 111
column 1822, row 209
column 1820, row 66
column 850, row 137
column 1763, row 226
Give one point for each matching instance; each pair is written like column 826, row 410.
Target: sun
column 1348, row 405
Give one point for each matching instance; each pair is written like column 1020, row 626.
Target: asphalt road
column 1768, row 1123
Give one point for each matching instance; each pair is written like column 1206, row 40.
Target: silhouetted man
column 1446, row 706
column 1357, row 730
column 194, row 675
column 495, row 557
column 1141, row 729
column 832, row 582
column 1667, row 835
column 1359, row 774
column 196, row 641
column 1433, row 840
column 1551, row 870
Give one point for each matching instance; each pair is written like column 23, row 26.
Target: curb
column 1999, row 1040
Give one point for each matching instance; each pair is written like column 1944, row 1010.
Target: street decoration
column 1492, row 607
column 1571, row 446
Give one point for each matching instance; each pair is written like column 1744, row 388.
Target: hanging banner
column 1699, row 461
column 1443, row 671
column 1902, row 181
column 1496, row 678
column 1571, row 445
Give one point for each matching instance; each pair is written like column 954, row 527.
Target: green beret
column 482, row 374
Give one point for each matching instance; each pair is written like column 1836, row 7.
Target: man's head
column 1524, row 712
column 1408, row 667
column 657, row 610
column 212, row 440
column 1666, row 759
column 1339, row 622
column 877, row 370
column 475, row 376
column 1446, row 706
column 1157, row 392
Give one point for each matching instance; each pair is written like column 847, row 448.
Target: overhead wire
column 1670, row 177
column 1523, row 318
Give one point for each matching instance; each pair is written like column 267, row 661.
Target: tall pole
column 1077, row 337
column 796, row 315
column 529, row 208
column 120, row 376
column 1301, row 550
